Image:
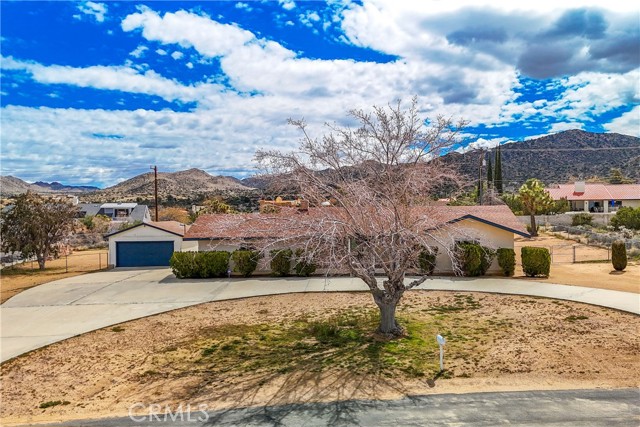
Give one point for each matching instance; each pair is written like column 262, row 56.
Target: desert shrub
column 281, row 262
column 245, row 262
column 199, row 264
column 183, row 264
column 536, row 261
column 303, row 267
column 529, row 228
column 581, row 219
column 619, row 255
column 474, row 259
column 507, row 261
column 627, row 217
column 427, row 260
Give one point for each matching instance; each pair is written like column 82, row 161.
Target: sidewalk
column 65, row 308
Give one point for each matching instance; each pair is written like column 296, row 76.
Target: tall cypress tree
column 489, row 173
column 498, row 171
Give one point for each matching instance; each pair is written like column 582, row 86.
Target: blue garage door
column 143, row 254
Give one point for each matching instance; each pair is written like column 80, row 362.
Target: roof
column 292, row 223
column 596, row 191
column 118, row 205
column 172, row 227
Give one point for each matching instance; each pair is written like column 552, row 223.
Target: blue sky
column 95, row 92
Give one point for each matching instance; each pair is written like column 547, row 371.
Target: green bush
column 619, row 255
column 183, row 264
column 281, row 262
column 529, row 228
column 627, row 217
column 427, row 260
column 303, row 267
column 474, row 259
column 507, row 261
column 245, row 262
column 581, row 219
column 199, row 264
column 536, row 261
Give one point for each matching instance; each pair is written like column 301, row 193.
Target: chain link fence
column 75, row 262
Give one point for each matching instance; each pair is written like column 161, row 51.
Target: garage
column 143, row 254
column 149, row 244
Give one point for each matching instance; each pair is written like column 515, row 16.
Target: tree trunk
column 533, row 232
column 41, row 261
column 388, row 324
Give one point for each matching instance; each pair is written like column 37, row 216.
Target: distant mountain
column 178, row 185
column 10, row 186
column 559, row 158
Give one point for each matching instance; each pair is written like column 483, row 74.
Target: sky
column 94, row 93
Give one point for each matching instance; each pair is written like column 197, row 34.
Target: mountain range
column 558, row 158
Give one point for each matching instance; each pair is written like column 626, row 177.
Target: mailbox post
column 441, row 343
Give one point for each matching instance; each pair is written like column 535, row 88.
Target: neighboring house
column 595, row 197
column 146, row 244
column 493, row 226
column 124, row 212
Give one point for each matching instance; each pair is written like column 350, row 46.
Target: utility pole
column 155, row 190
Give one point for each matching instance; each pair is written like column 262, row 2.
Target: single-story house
column 596, row 197
column 125, row 212
column 493, row 226
column 146, row 245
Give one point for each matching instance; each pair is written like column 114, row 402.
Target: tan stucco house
column 596, row 197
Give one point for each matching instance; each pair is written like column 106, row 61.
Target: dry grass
column 318, row 347
column 21, row 277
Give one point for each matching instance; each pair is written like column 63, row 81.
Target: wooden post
column 574, row 254
column 66, row 263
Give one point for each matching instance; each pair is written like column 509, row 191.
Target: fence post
column 574, row 254
column 66, row 263
column 551, row 254
column 99, row 260
column 608, row 259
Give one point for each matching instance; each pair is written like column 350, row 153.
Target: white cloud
column 287, row 4
column 627, row 124
column 97, row 10
column 244, row 6
column 139, row 51
column 177, row 55
column 161, row 52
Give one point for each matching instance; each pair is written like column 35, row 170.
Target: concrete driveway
column 65, row 308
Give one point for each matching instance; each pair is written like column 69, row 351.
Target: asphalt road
column 575, row 408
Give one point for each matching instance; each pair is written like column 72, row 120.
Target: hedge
column 427, row 260
column 200, row 264
column 303, row 267
column 281, row 262
column 245, row 262
column 507, row 260
column 627, row 217
column 536, row 261
column 474, row 259
column 581, row 219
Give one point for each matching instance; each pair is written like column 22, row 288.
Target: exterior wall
column 631, row 203
column 486, row 234
column 142, row 233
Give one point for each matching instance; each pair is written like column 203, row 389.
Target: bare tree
column 378, row 179
column 36, row 225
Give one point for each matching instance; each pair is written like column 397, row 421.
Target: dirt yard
column 281, row 349
column 589, row 274
column 18, row 278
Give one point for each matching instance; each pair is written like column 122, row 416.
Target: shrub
column 536, row 261
column 303, row 267
column 529, row 229
column 427, row 260
column 183, row 264
column 619, row 255
column 507, row 261
column 281, row 262
column 199, row 264
column 581, row 219
column 474, row 259
column 245, row 262
column 627, row 217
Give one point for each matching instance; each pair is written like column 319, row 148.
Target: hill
column 559, row 158
column 186, row 184
column 10, row 186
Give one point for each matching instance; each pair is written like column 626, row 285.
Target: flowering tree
column 369, row 190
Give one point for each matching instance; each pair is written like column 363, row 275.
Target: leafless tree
column 379, row 180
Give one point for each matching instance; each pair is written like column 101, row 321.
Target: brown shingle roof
column 285, row 224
